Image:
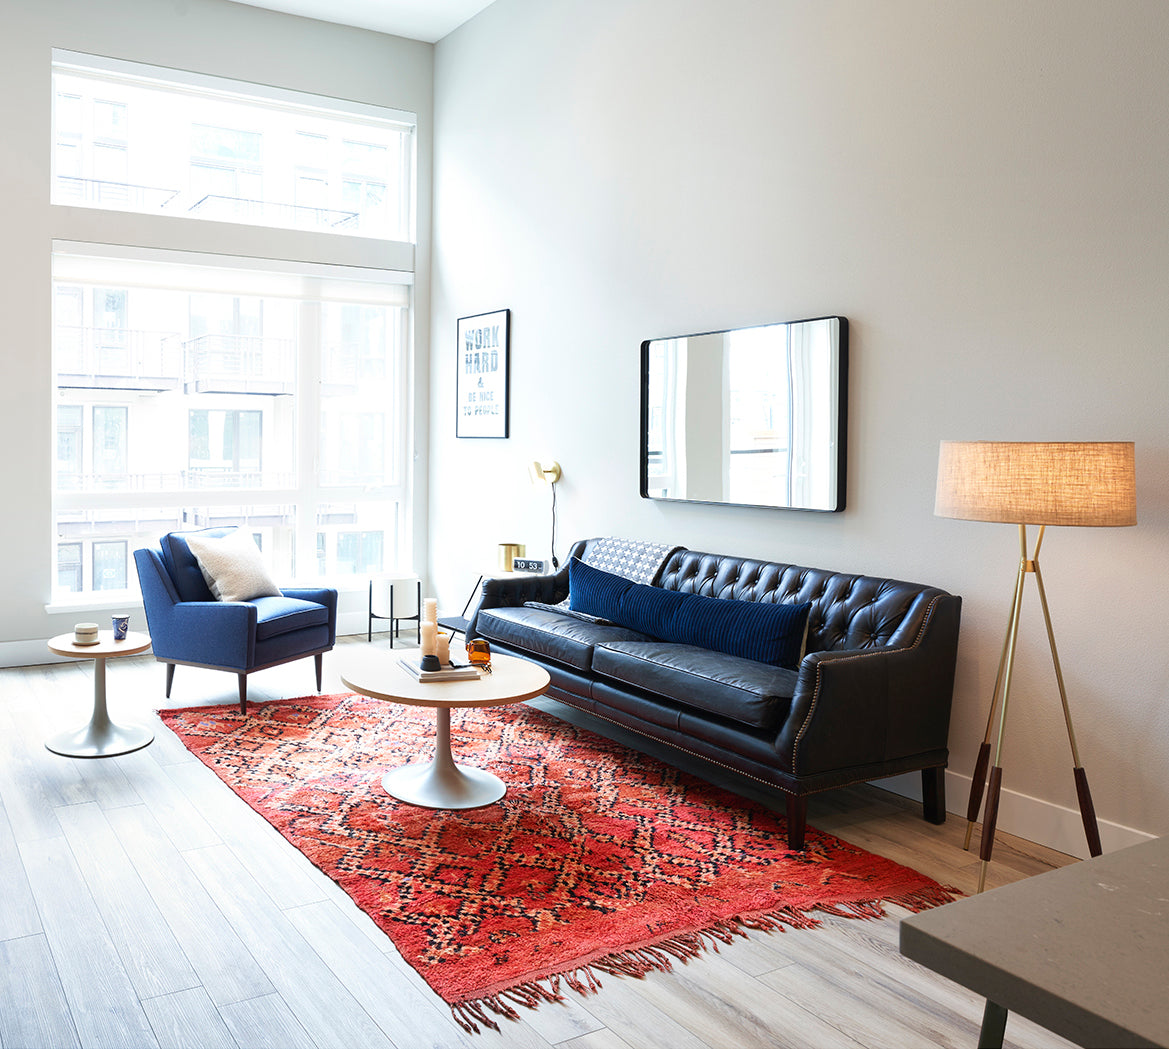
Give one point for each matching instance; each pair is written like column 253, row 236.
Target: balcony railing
column 125, row 196
column 239, row 364
column 121, row 524
column 196, row 478
column 203, row 477
column 272, row 213
column 117, row 358
column 77, row 481
column 243, row 516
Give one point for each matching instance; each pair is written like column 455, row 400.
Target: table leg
column 101, row 738
column 994, row 1026
column 440, row 783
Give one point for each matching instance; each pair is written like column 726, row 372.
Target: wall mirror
column 750, row 416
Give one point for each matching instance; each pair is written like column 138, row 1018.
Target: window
column 197, row 390
column 69, row 569
column 275, row 401
column 109, row 564
column 109, row 446
column 135, row 138
column 359, row 552
column 70, row 442
column 225, row 447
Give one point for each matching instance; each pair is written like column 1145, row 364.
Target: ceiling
column 428, row 20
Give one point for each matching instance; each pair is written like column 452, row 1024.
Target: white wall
column 979, row 189
column 206, row 36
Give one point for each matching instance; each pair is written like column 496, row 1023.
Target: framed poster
column 482, row 366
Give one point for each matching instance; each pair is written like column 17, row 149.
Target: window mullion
column 308, row 411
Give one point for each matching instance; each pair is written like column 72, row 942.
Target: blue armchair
column 188, row 626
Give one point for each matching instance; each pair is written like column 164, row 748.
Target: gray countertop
column 1082, row 951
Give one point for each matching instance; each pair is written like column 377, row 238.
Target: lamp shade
column 1038, row 482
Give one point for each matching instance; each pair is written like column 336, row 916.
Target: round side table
column 101, row 738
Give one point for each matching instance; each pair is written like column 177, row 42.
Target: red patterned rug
column 599, row 860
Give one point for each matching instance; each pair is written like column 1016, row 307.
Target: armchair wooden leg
column 933, row 794
column 170, row 678
column 797, row 821
column 243, row 693
column 319, row 662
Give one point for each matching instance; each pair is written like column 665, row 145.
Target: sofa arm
column 513, row 591
column 869, row 706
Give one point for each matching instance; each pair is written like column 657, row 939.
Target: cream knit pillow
column 232, row 566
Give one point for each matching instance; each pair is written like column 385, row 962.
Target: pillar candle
column 430, row 610
column 444, row 648
column 429, row 638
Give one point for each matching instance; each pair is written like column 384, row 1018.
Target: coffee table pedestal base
column 431, row 787
column 440, row 783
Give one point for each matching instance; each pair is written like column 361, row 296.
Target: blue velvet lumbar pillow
column 768, row 633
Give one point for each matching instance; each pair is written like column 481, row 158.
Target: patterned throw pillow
column 232, row 566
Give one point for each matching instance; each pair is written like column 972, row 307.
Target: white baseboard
column 1036, row 820
column 27, row 654
column 354, row 623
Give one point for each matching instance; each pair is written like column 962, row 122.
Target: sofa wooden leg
column 243, row 693
column 319, row 662
column 933, row 794
column 170, row 678
column 797, row 821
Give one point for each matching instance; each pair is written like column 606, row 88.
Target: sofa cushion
column 551, row 635
column 762, row 631
column 282, row 615
column 743, row 690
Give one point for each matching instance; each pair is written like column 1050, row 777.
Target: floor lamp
column 1039, row 483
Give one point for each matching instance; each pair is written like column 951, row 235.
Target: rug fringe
column 660, row 955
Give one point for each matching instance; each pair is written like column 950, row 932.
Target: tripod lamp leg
column 978, row 780
column 1083, row 795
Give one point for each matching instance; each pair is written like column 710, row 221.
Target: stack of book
column 446, row 673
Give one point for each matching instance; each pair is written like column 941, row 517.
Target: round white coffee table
column 440, row 783
column 101, row 738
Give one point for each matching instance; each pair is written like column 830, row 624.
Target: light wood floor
column 143, row 904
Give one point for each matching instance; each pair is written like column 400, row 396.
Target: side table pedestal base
column 97, row 741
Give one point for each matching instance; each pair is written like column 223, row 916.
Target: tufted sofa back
column 848, row 611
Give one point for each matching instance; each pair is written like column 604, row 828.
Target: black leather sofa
column 870, row 698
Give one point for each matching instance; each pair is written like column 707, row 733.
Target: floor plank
column 227, row 970
column 188, row 1020
column 18, row 909
column 314, row 993
column 268, row 1023
column 150, row 954
column 33, row 1010
column 375, row 982
column 102, row 1001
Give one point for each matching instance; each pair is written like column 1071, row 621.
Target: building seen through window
column 281, row 412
